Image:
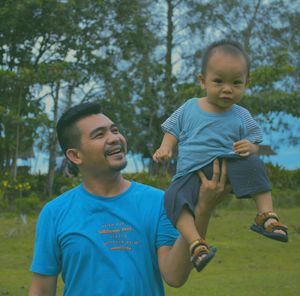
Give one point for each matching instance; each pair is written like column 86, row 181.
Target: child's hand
column 244, row 147
column 162, row 154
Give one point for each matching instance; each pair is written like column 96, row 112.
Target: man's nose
column 113, row 137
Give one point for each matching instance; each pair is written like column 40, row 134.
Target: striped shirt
column 203, row 136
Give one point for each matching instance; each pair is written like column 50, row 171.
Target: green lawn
column 246, row 263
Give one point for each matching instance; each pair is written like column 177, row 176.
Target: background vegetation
column 140, row 60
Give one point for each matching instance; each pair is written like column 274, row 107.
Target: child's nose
column 227, row 88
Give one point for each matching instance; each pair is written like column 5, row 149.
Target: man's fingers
column 216, row 171
column 202, row 177
column 223, row 173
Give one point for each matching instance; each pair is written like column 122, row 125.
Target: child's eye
column 217, row 80
column 237, row 82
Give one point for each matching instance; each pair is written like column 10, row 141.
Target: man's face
column 102, row 147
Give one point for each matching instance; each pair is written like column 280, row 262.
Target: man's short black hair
column 227, row 46
column 67, row 133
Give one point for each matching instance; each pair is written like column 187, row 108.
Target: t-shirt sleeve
column 46, row 257
column 173, row 124
column 253, row 132
column 166, row 233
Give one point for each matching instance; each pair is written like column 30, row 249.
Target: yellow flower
column 4, row 183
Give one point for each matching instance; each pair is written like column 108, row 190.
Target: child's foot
column 267, row 224
column 201, row 253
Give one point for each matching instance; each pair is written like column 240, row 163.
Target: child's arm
column 165, row 151
column 252, row 135
column 245, row 147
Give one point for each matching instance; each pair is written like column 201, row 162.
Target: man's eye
column 115, row 130
column 99, row 135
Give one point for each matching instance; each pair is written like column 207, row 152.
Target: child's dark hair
column 67, row 133
column 228, row 46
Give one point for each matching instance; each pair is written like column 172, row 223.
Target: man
column 109, row 236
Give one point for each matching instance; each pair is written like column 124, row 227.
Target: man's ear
column 201, row 80
column 74, row 155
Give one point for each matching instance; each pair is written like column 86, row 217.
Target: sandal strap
column 261, row 218
column 199, row 244
column 275, row 225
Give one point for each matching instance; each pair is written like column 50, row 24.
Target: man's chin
column 120, row 167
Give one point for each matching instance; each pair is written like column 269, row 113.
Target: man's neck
column 106, row 185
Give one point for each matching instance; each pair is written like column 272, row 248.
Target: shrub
column 282, row 178
column 26, row 205
column 286, row 198
column 161, row 182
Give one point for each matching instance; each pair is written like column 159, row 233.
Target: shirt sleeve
column 46, row 258
column 173, row 124
column 253, row 132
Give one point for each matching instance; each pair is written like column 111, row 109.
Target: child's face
column 225, row 80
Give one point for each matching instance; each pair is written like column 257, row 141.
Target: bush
column 282, row 178
column 26, row 194
column 286, row 198
column 27, row 205
column 62, row 183
column 161, row 182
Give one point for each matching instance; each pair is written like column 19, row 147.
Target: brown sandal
column 199, row 249
column 269, row 231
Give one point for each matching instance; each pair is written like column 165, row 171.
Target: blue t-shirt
column 104, row 246
column 203, row 136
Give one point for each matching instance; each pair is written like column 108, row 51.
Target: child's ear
column 248, row 82
column 201, row 80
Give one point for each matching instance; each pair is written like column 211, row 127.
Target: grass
column 246, row 263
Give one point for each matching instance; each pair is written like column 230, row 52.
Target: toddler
column 215, row 127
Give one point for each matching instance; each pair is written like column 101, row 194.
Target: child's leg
column 180, row 200
column 264, row 204
column 200, row 252
column 186, row 225
column 248, row 178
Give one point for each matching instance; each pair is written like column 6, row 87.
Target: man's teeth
column 114, row 152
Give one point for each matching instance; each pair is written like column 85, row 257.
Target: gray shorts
column 246, row 175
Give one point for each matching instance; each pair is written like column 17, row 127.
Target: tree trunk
column 169, row 47
column 14, row 166
column 53, row 144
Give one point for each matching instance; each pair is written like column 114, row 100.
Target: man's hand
column 210, row 194
column 211, row 191
column 244, row 147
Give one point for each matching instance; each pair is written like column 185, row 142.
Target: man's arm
column 174, row 261
column 43, row 285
